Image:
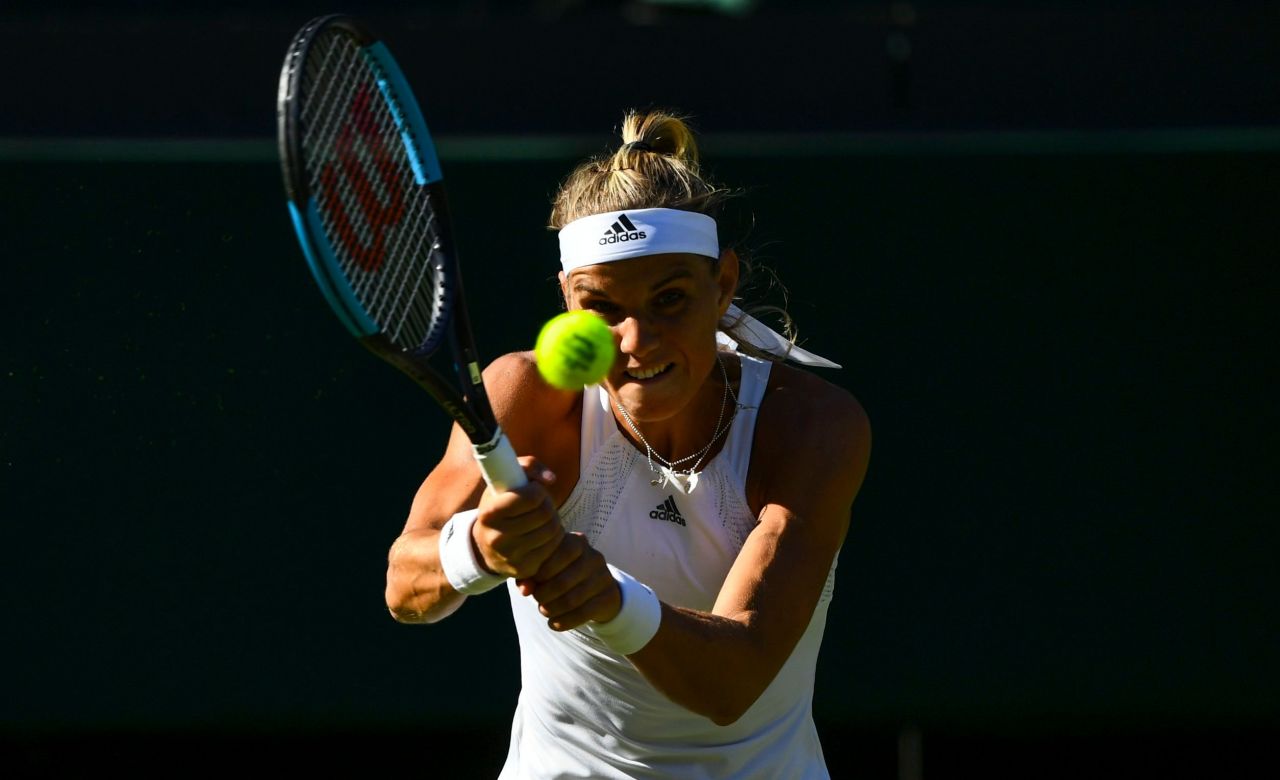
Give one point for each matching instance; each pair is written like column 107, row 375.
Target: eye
column 605, row 309
column 668, row 298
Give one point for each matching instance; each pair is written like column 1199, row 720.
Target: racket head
column 366, row 198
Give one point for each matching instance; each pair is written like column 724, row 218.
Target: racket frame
column 463, row 397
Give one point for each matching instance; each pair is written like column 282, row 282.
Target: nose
column 637, row 337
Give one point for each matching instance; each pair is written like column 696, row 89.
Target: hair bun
column 659, row 131
column 656, row 166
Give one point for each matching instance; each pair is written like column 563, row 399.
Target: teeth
column 647, row 373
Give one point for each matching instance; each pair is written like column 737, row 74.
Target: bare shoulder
column 809, row 432
column 517, row 391
column 799, row 404
column 539, row 419
column 512, row 376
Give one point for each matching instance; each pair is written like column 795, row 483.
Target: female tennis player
column 671, row 560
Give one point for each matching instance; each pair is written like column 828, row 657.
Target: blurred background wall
column 1040, row 237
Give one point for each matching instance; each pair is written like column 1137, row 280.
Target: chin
column 650, row 400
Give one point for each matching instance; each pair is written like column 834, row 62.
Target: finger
column 532, row 559
column 533, row 497
column 577, row 586
column 569, row 549
column 510, row 533
column 536, row 470
column 603, row 603
column 552, row 590
column 518, row 532
column 520, row 555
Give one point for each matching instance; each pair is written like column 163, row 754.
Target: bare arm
column 718, row 663
column 514, row 532
column 417, row 589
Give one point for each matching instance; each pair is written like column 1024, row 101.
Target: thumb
column 536, row 470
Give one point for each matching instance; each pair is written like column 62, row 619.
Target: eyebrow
column 679, row 273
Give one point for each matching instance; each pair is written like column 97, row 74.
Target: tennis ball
column 574, row 349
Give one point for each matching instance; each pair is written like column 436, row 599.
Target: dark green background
column 1068, row 524
column 1040, row 236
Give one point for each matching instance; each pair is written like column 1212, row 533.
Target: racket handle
column 498, row 463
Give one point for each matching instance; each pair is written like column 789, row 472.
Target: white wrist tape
column 637, row 621
column 458, row 557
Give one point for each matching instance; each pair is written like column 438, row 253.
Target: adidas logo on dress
column 622, row 230
column 667, row 511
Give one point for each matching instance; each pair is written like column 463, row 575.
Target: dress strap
column 751, row 386
column 597, row 424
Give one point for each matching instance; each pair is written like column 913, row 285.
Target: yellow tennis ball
column 574, row 349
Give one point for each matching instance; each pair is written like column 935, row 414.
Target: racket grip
column 498, row 463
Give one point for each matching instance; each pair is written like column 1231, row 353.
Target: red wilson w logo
column 364, row 168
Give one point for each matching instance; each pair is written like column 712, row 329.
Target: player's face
column 663, row 310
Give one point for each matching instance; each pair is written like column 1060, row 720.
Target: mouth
column 646, row 374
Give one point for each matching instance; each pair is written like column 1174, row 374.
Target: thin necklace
column 685, row 480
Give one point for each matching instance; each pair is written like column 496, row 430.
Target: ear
column 728, row 279
column 564, row 288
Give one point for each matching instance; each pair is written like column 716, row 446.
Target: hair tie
column 641, row 146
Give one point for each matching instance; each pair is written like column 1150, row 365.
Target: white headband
column 620, row 235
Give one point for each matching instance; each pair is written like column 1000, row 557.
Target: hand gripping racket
column 368, row 204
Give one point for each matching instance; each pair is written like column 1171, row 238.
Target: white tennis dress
column 585, row 711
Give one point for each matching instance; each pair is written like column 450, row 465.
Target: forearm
column 713, row 665
column 417, row 589
column 718, row 663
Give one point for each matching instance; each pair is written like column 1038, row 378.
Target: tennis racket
column 367, row 200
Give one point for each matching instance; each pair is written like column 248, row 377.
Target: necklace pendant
column 683, row 482
column 663, row 478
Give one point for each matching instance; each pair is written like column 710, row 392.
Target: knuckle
column 576, row 597
column 525, row 569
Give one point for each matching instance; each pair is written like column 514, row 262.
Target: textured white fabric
column 585, row 711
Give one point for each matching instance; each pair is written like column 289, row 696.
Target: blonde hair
column 657, row 166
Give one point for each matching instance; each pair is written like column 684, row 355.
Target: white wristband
column 458, row 557
column 637, row 621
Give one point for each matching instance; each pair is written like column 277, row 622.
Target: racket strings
column 422, row 282
column 369, row 200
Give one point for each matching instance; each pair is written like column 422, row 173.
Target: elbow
column 402, row 610
column 410, row 615
column 402, row 614
column 411, row 608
